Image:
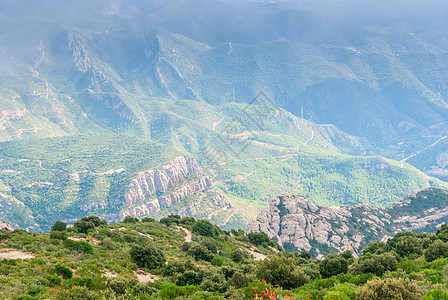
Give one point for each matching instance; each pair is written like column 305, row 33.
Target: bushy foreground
column 148, row 259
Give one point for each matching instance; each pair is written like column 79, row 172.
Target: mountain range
column 229, row 102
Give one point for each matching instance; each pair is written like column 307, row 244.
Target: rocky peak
column 298, row 224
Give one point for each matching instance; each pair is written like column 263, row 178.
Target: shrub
column 238, row 256
column 59, row 235
column 52, row 280
column 59, row 226
column 258, row 238
column 188, row 278
column 64, row 271
column 129, row 219
column 214, row 283
column 389, row 288
column 170, row 220
column 199, row 252
column 148, row 220
column 376, row 264
column 282, row 271
column 119, row 284
column 108, row 244
column 205, row 228
column 171, row 291
column 79, row 246
column 333, row 265
column 87, row 223
column 436, row 250
column 147, row 256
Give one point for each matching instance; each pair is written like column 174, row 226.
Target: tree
column 59, row 226
column 87, row 223
column 389, row 289
column 258, row 238
column 375, row 264
column 436, row 250
column 188, row 278
column 332, row 265
column 408, row 245
column 200, row 252
column 130, row 219
column 282, row 271
column 147, row 256
column 205, row 228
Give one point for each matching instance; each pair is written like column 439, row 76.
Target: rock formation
column 154, row 189
column 298, row 224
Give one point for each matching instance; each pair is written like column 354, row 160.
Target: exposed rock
column 6, row 226
column 161, row 187
column 160, row 180
column 294, row 221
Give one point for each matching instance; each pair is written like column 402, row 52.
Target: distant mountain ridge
column 169, row 78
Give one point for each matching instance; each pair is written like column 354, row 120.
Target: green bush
column 189, row 278
column 59, row 226
column 259, row 238
column 119, row 284
column 147, row 256
column 389, row 289
column 52, row 280
column 64, row 271
column 200, row 252
column 172, row 291
column 59, row 235
column 436, row 250
column 131, row 220
column 205, row 228
column 79, row 246
column 333, row 265
column 282, row 271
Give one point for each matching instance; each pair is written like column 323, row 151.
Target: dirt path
column 255, row 255
column 14, row 254
column 142, row 234
column 188, row 232
column 310, row 139
column 145, row 278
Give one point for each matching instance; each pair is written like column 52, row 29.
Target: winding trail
column 188, row 232
column 426, row 148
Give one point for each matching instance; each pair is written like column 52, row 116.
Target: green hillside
column 182, row 258
column 48, row 179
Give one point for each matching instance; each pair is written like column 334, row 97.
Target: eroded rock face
column 173, row 182
column 295, row 222
column 160, row 180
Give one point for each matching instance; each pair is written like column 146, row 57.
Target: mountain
column 298, row 224
column 114, row 175
column 265, row 98
column 382, row 82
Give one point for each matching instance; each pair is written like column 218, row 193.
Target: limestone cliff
column 161, row 187
column 297, row 223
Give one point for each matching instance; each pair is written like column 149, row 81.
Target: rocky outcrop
column 5, row 226
column 159, row 188
column 297, row 223
column 154, row 181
